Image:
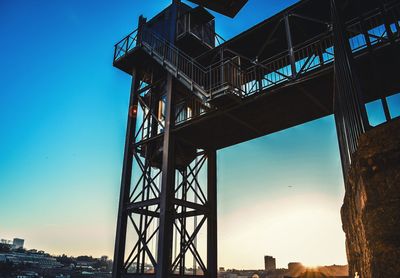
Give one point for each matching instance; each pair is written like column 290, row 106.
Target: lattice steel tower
column 193, row 93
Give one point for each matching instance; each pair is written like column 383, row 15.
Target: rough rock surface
column 371, row 209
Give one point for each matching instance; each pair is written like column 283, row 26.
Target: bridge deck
column 285, row 101
column 288, row 106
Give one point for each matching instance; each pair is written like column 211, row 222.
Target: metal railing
column 319, row 52
column 206, row 80
column 124, row 46
column 203, row 32
column 227, row 76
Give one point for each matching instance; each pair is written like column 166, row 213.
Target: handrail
column 163, row 40
column 134, row 31
column 207, row 80
column 122, row 47
column 228, row 75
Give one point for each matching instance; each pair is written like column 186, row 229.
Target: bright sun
column 304, row 229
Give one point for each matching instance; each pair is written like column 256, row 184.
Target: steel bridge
column 194, row 93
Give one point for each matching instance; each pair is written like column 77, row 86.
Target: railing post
column 222, row 66
column 141, row 24
column 258, row 75
column 115, row 52
column 189, row 27
column 290, row 47
column 386, row 109
column 210, row 81
column 192, row 77
column 387, row 23
column 396, row 21
column 320, row 53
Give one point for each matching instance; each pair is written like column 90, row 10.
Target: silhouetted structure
column 269, row 263
column 316, row 274
column 296, row 269
column 18, row 243
column 192, row 95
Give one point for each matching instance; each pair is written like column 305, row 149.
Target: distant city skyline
column 63, row 116
column 17, row 245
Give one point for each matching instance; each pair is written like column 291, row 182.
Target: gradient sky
column 63, row 117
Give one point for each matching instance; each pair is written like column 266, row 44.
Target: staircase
column 185, row 69
column 205, row 83
column 227, row 78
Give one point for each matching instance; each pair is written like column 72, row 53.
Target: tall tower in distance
column 270, row 263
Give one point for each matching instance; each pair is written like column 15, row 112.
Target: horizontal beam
column 191, row 205
column 189, row 214
column 151, row 202
column 146, row 212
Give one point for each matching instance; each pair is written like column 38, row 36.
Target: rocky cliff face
column 371, row 209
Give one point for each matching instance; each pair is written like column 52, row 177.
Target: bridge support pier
column 171, row 200
column 167, row 188
column 122, row 219
column 349, row 108
column 212, row 238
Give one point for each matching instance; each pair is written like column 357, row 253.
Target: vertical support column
column 120, row 238
column 386, row 109
column 386, row 21
column 167, row 209
column 350, row 111
column 259, row 75
column 141, row 25
column 182, row 234
column 290, row 47
column 212, row 237
column 222, row 66
column 167, row 194
column 174, row 20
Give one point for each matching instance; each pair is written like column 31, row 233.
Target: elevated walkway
column 289, row 88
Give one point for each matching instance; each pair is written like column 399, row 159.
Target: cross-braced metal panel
column 191, row 202
column 190, row 225
column 191, row 217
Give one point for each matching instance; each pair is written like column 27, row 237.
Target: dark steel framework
column 184, row 108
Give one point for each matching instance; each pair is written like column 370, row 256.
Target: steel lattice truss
column 190, row 207
column 167, row 222
column 190, row 212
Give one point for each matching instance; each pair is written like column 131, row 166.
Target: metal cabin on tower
column 193, row 93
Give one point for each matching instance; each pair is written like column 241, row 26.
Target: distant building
column 296, row 269
column 269, row 263
column 18, row 243
column 35, row 260
column 28, row 274
column 104, row 258
column 5, row 241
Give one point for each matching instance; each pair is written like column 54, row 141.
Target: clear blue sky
column 63, row 117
